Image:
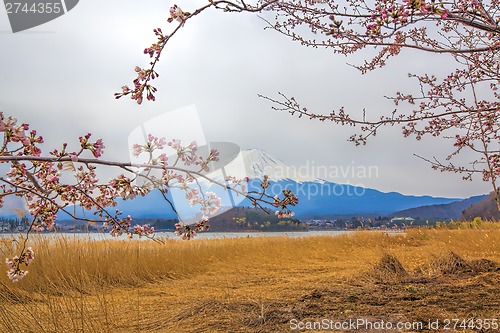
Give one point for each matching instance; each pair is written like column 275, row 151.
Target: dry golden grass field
column 255, row 284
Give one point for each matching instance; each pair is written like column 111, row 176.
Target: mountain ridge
column 452, row 210
column 317, row 196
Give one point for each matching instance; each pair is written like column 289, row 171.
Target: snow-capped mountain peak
column 259, row 163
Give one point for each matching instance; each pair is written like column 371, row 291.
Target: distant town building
column 405, row 220
column 4, row 226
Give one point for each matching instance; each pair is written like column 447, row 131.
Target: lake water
column 201, row 235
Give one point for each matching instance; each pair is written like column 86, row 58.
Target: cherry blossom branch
column 145, row 76
column 466, row 30
column 37, row 179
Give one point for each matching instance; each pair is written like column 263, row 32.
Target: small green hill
column 253, row 219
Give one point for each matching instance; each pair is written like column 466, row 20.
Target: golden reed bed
column 253, row 284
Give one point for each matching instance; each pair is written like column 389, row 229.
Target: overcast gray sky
column 60, row 77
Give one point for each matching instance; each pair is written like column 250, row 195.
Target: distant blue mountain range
column 317, row 198
column 322, row 198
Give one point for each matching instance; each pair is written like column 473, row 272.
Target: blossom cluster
column 237, row 183
column 187, row 232
column 15, row 273
column 143, row 230
column 95, row 147
column 177, row 14
column 390, row 14
column 141, row 86
column 155, row 48
column 289, row 199
column 153, row 143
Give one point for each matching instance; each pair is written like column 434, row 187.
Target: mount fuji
column 317, row 197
